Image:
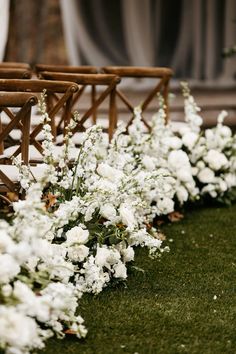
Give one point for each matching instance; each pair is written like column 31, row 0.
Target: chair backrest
column 14, row 73
column 60, row 98
column 161, row 76
column 18, row 107
column 16, row 65
column 104, row 85
column 85, row 69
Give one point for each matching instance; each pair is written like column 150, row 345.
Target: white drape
column 138, row 32
column 4, row 21
column 204, row 28
column 77, row 36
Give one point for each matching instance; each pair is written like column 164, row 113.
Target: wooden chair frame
column 14, row 73
column 85, row 69
column 53, row 90
column 163, row 76
column 94, row 80
column 23, row 101
column 69, row 69
column 15, row 65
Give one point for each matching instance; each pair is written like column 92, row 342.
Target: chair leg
column 112, row 114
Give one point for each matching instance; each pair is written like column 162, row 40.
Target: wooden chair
column 14, row 65
column 20, row 119
column 85, row 69
column 105, row 86
column 14, row 73
column 161, row 77
column 60, row 97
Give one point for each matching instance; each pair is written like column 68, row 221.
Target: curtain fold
column 78, row 36
column 4, row 22
column 188, row 35
column 137, row 24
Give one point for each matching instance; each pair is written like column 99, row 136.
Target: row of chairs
column 21, row 128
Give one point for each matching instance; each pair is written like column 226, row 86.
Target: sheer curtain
column 188, row 35
column 4, row 20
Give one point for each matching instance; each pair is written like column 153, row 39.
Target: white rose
column 77, row 235
column 128, row 254
column 106, row 171
column 78, row 253
column 165, row 205
column 230, row 180
column 216, row 160
column 102, row 256
column 9, row 268
column 114, row 256
column 190, row 139
column 178, row 159
column 127, row 216
column 184, row 175
column 16, row 329
column 108, row 211
column 120, row 270
column 206, row 175
column 182, row 194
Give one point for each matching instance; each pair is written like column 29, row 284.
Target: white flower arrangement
column 79, row 225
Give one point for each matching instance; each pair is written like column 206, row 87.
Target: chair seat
column 35, row 155
column 103, row 122
column 13, row 174
column 77, row 138
column 16, row 135
column 35, row 119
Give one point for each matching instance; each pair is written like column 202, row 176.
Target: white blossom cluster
column 37, row 299
column 212, row 153
column 94, row 203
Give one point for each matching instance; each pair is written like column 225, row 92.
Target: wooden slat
column 83, row 79
column 11, row 99
column 14, row 73
column 16, row 65
column 137, row 71
column 36, row 85
column 86, row 69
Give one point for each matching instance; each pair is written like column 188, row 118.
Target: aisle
column 183, row 303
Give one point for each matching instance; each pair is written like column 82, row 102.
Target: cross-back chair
column 18, row 106
column 16, row 65
column 72, row 69
column 60, row 97
column 105, row 86
column 84, row 69
column 14, row 73
column 161, row 77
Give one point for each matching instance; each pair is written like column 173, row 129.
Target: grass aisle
column 184, row 302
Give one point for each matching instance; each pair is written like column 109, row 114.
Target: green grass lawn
column 184, row 302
